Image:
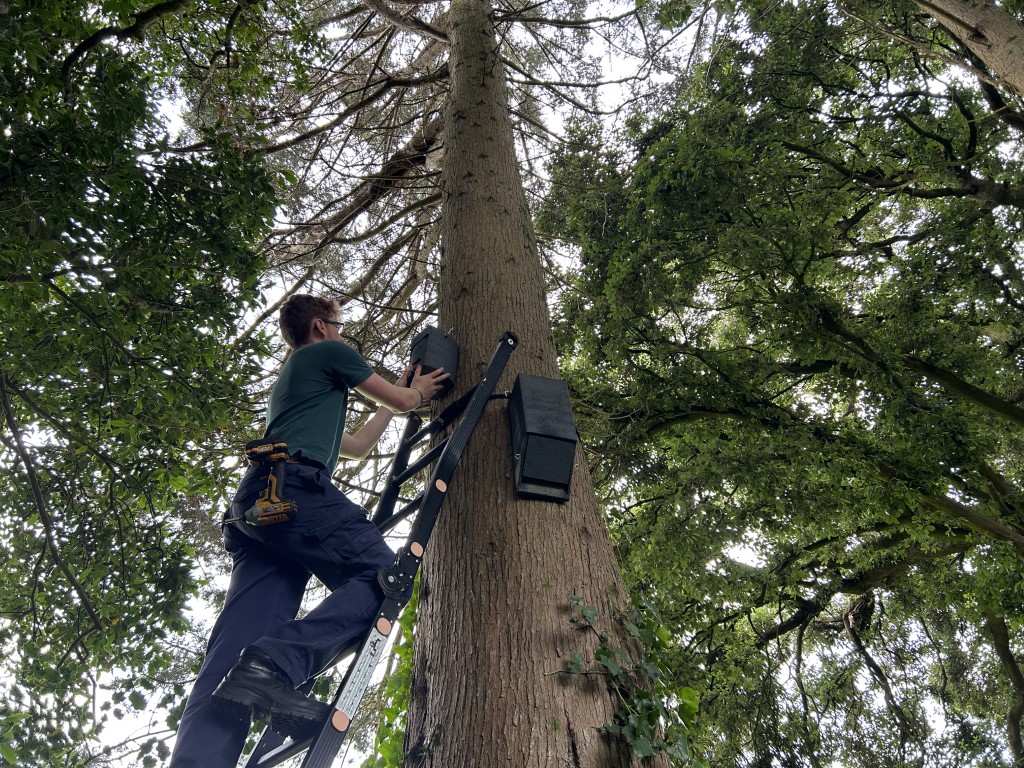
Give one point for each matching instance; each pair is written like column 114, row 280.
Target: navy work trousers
column 330, row 538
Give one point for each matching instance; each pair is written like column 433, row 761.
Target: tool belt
column 270, row 507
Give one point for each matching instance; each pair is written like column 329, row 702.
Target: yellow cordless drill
column 270, row 508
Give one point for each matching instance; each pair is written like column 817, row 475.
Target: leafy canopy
column 796, row 330
column 125, row 268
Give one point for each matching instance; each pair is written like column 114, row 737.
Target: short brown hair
column 299, row 311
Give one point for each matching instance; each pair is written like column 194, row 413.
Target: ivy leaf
column 575, row 663
column 642, row 747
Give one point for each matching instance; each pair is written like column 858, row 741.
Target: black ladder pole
column 388, row 497
column 396, row 580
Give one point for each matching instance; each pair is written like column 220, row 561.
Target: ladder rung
column 284, row 752
column 426, row 431
column 443, row 419
column 401, row 514
column 421, row 463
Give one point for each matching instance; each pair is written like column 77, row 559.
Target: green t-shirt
column 307, row 405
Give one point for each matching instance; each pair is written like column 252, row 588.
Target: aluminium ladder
column 395, row 580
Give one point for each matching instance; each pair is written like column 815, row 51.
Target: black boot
column 257, row 689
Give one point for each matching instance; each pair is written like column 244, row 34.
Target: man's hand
column 409, row 393
column 427, row 384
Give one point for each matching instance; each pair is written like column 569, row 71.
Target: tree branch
column 906, row 726
column 255, row 324
column 40, row 503
column 1000, row 636
column 981, row 73
column 366, row 193
column 60, row 428
column 951, row 381
column 370, row 190
column 882, row 575
column 984, row 190
column 143, row 21
column 806, row 610
column 995, row 99
column 811, row 742
column 406, row 20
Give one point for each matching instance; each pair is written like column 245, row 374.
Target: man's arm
column 403, row 399
column 358, row 445
column 392, row 399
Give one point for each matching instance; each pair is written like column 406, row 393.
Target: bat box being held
column 543, row 437
column 433, row 349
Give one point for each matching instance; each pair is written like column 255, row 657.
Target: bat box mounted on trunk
column 543, row 437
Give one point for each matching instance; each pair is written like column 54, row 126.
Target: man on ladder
column 258, row 652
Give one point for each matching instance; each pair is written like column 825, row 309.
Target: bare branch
column 924, row 50
column 303, row 279
column 906, row 726
column 396, row 169
column 520, row 17
column 811, row 742
column 60, row 428
column 406, row 20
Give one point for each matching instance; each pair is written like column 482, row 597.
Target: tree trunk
column 992, row 34
column 494, row 632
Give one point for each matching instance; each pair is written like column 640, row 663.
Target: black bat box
column 543, row 437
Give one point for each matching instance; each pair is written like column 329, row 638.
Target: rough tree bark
column 494, row 630
column 991, row 33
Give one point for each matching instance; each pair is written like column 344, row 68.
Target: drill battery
column 270, row 508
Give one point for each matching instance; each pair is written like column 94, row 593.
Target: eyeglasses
column 335, row 322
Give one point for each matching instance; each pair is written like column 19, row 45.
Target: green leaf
column 642, row 747
column 575, row 663
column 688, row 704
column 8, row 753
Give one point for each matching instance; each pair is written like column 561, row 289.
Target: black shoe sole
column 243, row 703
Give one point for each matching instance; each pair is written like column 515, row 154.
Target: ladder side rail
column 430, row 456
column 446, row 417
column 397, row 579
column 327, row 743
column 459, row 439
column 388, row 497
column 400, row 471
column 415, row 432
